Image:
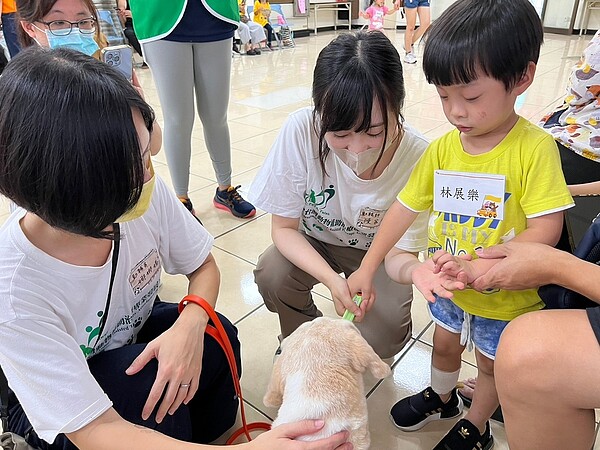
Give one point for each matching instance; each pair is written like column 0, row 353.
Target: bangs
column 348, row 103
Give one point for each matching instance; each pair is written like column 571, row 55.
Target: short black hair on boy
column 352, row 72
column 69, row 150
column 495, row 37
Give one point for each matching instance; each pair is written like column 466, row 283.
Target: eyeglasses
column 64, row 27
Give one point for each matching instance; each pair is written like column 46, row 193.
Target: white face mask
column 358, row 162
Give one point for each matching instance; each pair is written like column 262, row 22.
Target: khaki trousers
column 286, row 290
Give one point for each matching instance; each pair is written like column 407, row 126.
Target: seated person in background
column 262, row 12
column 127, row 21
column 575, row 125
column 251, row 33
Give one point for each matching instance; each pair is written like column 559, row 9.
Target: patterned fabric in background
column 576, row 123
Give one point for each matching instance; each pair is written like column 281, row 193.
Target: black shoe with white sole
column 414, row 412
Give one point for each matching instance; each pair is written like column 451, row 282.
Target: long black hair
column 69, row 149
column 352, row 72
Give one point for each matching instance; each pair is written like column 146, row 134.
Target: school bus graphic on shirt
column 489, row 206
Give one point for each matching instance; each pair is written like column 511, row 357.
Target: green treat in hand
column 348, row 315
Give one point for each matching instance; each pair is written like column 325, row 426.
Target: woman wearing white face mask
column 328, row 180
column 61, row 23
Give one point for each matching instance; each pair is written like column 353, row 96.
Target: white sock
column 443, row 382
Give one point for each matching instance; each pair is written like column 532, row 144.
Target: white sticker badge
column 469, row 194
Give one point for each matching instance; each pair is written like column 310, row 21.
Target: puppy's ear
column 274, row 396
column 364, row 357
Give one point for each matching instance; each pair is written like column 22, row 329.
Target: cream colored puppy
column 319, row 376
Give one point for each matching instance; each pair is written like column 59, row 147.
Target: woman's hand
column 361, row 282
column 282, row 438
column 179, row 354
column 525, row 265
column 342, row 301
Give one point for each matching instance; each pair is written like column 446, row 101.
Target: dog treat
column 348, row 315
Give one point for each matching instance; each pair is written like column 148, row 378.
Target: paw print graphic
column 353, row 241
column 368, row 244
column 137, row 322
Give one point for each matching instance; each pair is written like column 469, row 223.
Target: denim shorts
column 474, row 330
column 416, row 3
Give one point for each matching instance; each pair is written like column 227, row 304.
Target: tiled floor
column 264, row 90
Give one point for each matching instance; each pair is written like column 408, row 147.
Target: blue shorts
column 483, row 333
column 416, row 3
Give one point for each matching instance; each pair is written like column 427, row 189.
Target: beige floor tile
column 252, row 415
column 258, row 145
column 238, row 295
column 257, row 233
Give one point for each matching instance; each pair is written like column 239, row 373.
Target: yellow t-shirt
column 534, row 186
column 258, row 17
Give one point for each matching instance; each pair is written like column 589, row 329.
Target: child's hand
column 430, row 283
column 458, row 267
column 362, row 282
column 397, row 5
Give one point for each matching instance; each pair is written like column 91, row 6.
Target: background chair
column 283, row 30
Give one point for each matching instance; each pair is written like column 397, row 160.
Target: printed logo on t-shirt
column 319, row 199
column 144, row 272
column 369, row 218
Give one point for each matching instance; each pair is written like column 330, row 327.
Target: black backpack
column 558, row 297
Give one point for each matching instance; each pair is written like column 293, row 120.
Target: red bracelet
column 191, row 299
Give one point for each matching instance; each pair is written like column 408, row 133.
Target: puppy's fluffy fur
column 319, row 376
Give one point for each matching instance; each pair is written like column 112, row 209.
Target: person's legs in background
column 270, row 35
column 414, row 8
column 133, row 41
column 9, row 29
column 173, row 73
column 244, row 32
column 212, row 87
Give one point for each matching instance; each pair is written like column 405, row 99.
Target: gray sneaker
column 410, row 58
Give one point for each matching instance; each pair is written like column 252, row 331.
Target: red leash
column 218, row 333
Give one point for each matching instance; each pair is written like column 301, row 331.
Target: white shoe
column 410, row 58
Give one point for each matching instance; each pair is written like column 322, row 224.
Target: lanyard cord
column 113, row 271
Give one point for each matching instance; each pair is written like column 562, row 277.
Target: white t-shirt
column 338, row 207
column 50, row 310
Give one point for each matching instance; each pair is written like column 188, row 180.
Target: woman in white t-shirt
column 331, row 175
column 93, row 358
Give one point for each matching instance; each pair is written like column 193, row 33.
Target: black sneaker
column 414, row 412
column 231, row 200
column 188, row 205
column 465, row 436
